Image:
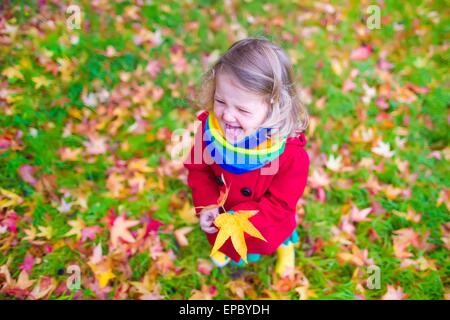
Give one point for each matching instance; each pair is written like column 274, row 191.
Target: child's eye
column 244, row 111
column 220, row 101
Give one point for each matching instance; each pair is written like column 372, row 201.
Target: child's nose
column 228, row 116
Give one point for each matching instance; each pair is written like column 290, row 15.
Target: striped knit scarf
column 251, row 153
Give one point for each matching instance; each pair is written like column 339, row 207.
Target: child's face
column 240, row 112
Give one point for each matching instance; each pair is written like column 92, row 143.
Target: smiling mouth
column 227, row 126
column 232, row 132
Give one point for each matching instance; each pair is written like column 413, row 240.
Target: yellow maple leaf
column 187, row 213
column 102, row 271
column 13, row 72
column 140, row 165
column 233, row 225
column 40, row 81
column 77, row 226
column 104, row 277
column 9, row 199
column 30, row 234
column 45, row 232
column 66, row 67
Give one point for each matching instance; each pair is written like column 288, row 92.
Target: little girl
column 251, row 142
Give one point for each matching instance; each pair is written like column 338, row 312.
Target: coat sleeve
column 278, row 206
column 201, row 178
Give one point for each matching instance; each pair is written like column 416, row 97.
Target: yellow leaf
column 187, row 213
column 233, row 225
column 66, row 67
column 104, row 277
column 30, row 234
column 59, row 244
column 13, row 72
column 77, row 226
column 40, row 81
column 45, row 232
column 9, row 199
column 140, row 165
column 102, row 272
column 14, row 98
column 25, row 63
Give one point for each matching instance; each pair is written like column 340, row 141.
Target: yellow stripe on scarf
column 216, row 128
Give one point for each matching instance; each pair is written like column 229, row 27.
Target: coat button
column 246, row 192
column 219, row 181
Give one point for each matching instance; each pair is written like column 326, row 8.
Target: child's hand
column 207, row 217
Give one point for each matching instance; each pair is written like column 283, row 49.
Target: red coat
column 274, row 196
